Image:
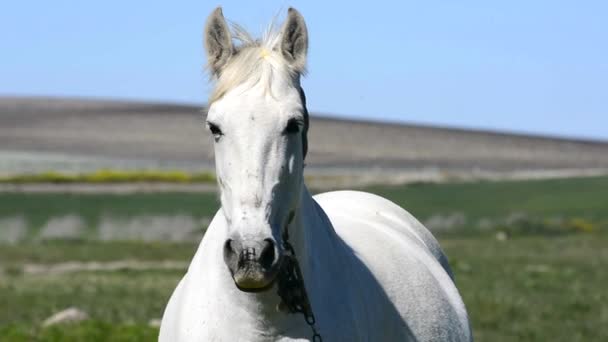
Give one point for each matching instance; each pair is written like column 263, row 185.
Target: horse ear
column 294, row 40
column 218, row 41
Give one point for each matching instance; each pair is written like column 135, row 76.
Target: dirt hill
column 51, row 133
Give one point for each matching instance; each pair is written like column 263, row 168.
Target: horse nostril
column 268, row 254
column 228, row 250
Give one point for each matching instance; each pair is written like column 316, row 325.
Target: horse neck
column 312, row 236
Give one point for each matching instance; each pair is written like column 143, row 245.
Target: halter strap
column 291, row 287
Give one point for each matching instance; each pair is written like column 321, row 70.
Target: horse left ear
column 294, row 40
column 218, row 41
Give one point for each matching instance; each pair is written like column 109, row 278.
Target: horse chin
column 255, row 280
column 255, row 289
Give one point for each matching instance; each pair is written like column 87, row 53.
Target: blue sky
column 525, row 66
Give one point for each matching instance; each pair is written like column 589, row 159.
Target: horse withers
column 277, row 264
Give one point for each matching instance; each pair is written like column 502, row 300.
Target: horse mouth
column 252, row 277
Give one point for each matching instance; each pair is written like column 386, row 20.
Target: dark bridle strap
column 291, row 286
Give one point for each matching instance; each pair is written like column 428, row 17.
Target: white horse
column 277, row 264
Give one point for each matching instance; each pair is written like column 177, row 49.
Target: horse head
column 258, row 118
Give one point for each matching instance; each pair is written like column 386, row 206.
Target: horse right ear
column 294, row 40
column 218, row 41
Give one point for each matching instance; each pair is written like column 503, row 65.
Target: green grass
column 557, row 205
column 87, row 331
column 570, row 197
column 125, row 296
column 546, row 282
column 522, row 289
column 552, row 206
column 534, row 288
column 119, row 303
column 58, row 251
column 43, row 205
column 38, row 208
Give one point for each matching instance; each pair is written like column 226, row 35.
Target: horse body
column 372, row 272
column 376, row 274
column 404, row 261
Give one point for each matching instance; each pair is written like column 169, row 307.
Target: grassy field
column 575, row 197
column 542, row 280
column 519, row 207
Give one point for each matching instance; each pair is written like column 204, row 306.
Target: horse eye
column 293, row 126
column 215, row 130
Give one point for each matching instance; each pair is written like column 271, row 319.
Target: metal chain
column 291, row 288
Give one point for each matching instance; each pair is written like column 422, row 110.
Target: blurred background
column 487, row 121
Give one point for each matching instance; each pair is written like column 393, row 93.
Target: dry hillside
column 43, row 133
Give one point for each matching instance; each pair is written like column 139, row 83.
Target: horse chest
column 335, row 322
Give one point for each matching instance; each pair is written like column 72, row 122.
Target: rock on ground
column 69, row 315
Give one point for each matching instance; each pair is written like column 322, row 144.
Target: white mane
column 254, row 61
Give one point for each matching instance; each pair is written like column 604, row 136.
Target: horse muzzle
column 253, row 265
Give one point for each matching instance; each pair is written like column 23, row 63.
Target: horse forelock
column 254, row 61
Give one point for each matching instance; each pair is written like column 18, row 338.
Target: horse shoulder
column 171, row 313
column 405, row 259
column 368, row 206
column 183, row 321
